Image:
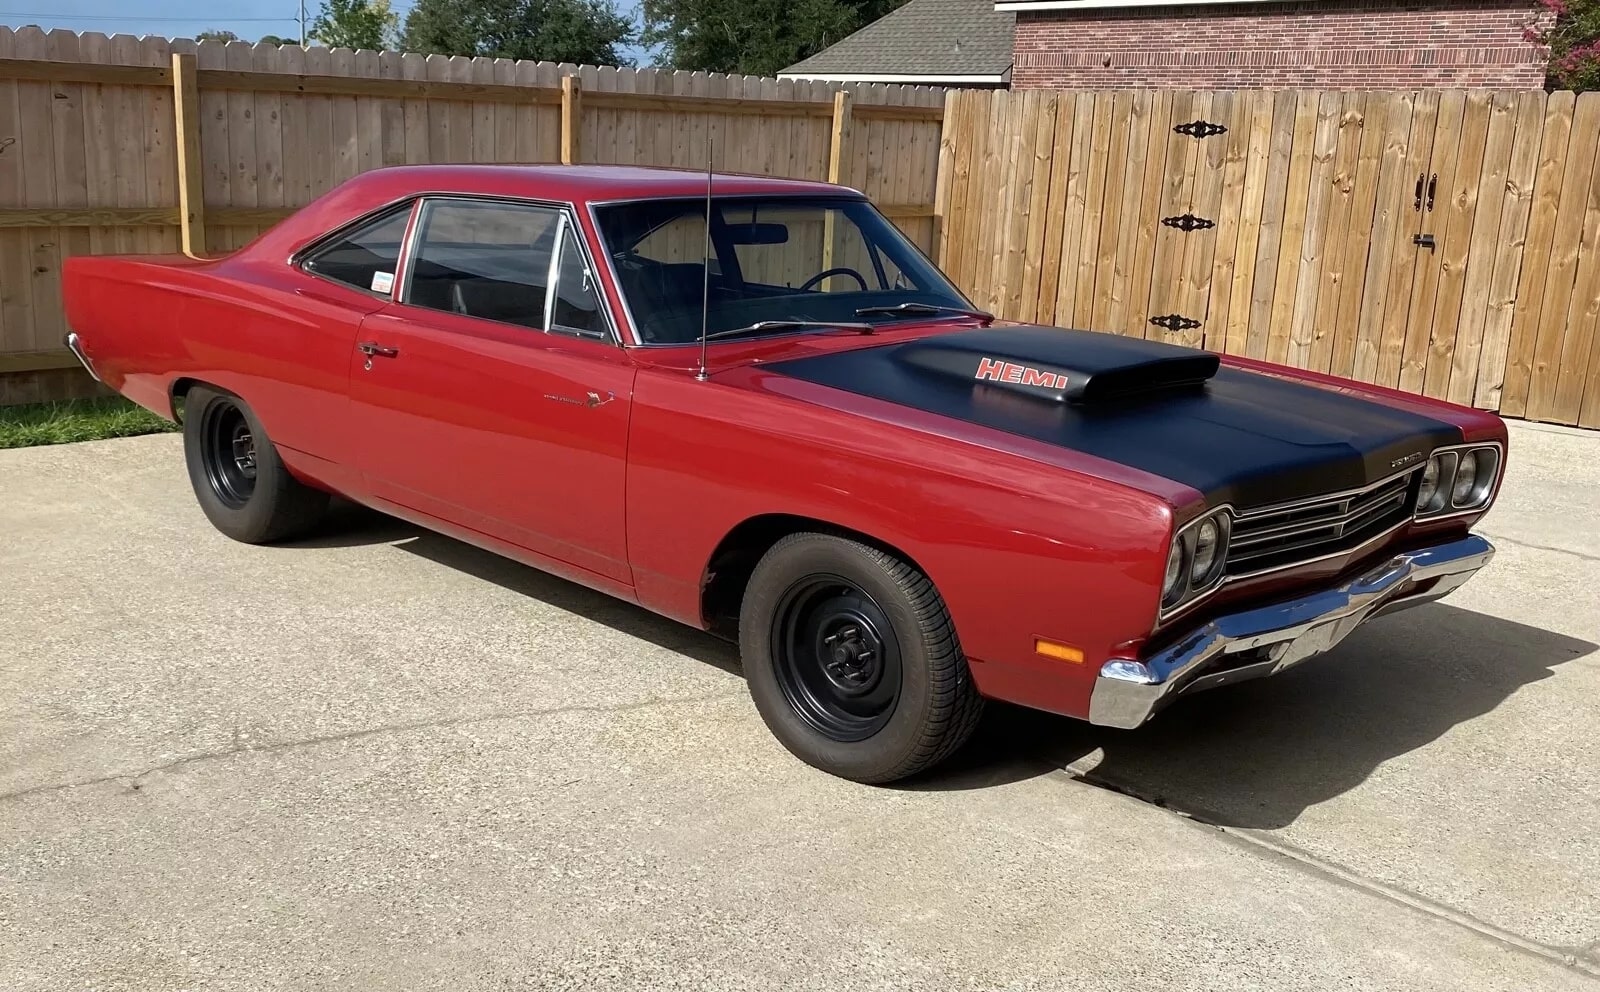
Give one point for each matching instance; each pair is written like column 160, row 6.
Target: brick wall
column 1355, row 44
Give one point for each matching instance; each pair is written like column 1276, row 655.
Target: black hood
column 1236, row 436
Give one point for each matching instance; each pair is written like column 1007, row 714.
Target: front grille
column 1273, row 537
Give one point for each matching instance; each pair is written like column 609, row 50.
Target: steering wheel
column 840, row 270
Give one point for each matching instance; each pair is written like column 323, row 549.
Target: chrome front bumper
column 1265, row 641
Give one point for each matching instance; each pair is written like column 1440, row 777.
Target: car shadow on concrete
column 1251, row 755
column 369, row 527
column 1259, row 753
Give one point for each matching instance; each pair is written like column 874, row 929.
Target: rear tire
column 240, row 482
column 853, row 661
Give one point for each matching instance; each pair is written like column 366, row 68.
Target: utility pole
column 302, row 23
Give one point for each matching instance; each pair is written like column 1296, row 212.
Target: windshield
column 772, row 259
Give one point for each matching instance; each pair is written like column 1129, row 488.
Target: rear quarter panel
column 1018, row 549
column 282, row 340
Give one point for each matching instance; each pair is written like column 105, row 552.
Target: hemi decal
column 995, row 370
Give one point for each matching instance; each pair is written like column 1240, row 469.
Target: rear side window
column 365, row 257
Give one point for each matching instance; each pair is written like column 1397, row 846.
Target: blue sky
column 249, row 19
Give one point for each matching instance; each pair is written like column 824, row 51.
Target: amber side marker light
column 1059, row 652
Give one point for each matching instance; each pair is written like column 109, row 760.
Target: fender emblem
column 1406, row 460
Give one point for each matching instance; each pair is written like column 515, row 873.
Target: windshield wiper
column 763, row 326
column 924, row 308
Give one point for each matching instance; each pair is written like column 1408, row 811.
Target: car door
column 493, row 393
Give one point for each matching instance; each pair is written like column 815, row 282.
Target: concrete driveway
column 382, row 759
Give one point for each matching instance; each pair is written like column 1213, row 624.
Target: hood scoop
column 1080, row 367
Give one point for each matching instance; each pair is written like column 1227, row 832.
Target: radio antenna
column 705, row 288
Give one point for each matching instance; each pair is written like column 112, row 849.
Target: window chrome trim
column 553, row 272
column 844, row 195
column 567, row 213
column 408, row 251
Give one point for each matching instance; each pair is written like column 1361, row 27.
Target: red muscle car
column 897, row 505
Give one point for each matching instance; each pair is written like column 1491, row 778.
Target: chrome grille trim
column 1287, row 534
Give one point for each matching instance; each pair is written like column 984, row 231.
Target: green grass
column 76, row 420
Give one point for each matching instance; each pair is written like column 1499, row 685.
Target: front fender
column 1019, row 549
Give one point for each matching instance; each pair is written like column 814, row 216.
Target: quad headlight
column 1458, row 480
column 1195, row 561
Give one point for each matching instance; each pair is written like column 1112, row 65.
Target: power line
column 135, row 17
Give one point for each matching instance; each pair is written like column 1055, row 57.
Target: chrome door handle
column 371, row 348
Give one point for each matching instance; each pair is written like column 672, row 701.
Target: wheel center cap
column 852, row 663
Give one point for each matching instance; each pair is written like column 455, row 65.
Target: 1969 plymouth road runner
column 897, row 505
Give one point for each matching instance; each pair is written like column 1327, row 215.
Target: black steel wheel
column 239, row 480
column 228, row 452
column 853, row 660
column 837, row 658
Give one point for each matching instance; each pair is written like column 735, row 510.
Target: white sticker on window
column 382, row 282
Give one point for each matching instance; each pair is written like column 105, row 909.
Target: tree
column 1574, row 39
column 355, row 24
column 585, row 31
column 216, row 35
column 272, row 39
column 759, row 37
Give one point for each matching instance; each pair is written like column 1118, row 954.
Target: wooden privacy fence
column 148, row 145
column 1442, row 242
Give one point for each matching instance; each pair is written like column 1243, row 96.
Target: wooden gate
column 1443, row 242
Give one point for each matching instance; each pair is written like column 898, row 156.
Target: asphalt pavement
column 381, row 759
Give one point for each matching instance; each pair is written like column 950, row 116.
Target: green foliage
column 273, row 39
column 76, row 420
column 585, row 31
column 216, row 35
column 1574, row 40
column 355, row 24
column 760, row 37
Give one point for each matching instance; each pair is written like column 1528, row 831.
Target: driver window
column 484, row 258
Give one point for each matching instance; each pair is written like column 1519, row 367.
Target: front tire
column 240, row 482
column 853, row 661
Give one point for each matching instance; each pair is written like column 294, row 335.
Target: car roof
column 581, row 183
column 577, row 184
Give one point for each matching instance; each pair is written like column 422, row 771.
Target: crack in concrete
column 1577, row 959
column 1530, row 546
column 351, row 735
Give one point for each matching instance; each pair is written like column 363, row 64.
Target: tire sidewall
column 876, row 758
column 252, row 521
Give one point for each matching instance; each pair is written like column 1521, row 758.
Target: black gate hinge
column 1200, row 129
column 1188, row 222
column 1175, row 322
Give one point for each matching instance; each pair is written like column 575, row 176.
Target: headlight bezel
column 1485, row 488
column 1191, row 587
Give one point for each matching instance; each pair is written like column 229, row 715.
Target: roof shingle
column 922, row 38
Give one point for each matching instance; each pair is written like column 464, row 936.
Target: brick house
column 1339, row 44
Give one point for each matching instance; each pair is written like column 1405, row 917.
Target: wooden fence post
column 838, row 154
column 191, row 189
column 571, row 121
column 943, row 175
column 838, row 147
